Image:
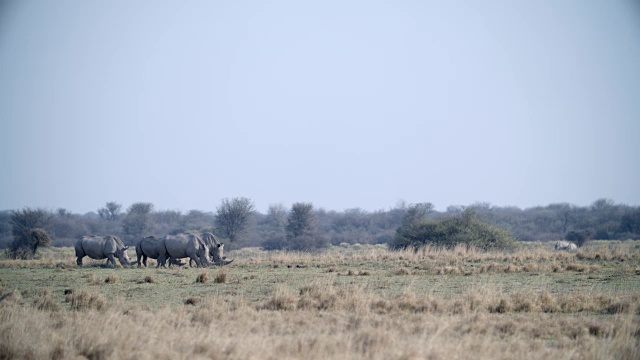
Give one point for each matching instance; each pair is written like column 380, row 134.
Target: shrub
column 281, row 299
column 192, row 300
column 221, row 278
column 85, row 301
column 449, row 232
column 46, row 302
column 203, row 277
column 29, row 232
column 578, row 237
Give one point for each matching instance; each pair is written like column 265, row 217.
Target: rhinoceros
column 216, row 249
column 566, row 245
column 100, row 247
column 149, row 247
column 182, row 246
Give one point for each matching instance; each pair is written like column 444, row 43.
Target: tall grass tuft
column 221, row 278
column 281, row 299
column 44, row 301
column 203, row 277
column 83, row 301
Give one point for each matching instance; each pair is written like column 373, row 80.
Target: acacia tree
column 302, row 232
column 232, row 217
column 416, row 213
column 138, row 220
column 28, row 227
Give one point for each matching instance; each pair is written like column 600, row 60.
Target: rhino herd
column 205, row 250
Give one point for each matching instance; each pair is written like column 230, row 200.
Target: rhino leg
column 79, row 255
column 195, row 258
column 162, row 261
column 111, row 259
column 144, row 260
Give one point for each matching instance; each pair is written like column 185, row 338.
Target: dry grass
column 111, row 279
column 532, row 303
column 322, row 321
column 82, row 301
column 202, row 278
column 221, row 278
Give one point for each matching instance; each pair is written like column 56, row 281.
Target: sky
column 345, row 104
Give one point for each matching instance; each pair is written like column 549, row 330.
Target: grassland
column 351, row 302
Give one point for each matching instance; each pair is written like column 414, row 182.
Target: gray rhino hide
column 100, row 247
column 216, row 249
column 150, row 247
column 185, row 245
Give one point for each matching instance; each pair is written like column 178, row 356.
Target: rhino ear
column 218, row 245
column 126, row 247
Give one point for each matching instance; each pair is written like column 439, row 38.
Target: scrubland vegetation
column 351, row 301
column 237, row 221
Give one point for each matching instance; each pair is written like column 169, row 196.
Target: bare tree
column 110, row 211
column 232, row 217
column 566, row 214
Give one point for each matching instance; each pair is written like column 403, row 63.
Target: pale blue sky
column 341, row 103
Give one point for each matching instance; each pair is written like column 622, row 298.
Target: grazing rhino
column 182, row 246
column 566, row 245
column 100, row 247
column 216, row 249
column 149, row 247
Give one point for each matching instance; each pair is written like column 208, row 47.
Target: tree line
column 304, row 227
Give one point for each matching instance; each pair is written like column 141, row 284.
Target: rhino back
column 93, row 246
column 112, row 244
column 181, row 245
column 150, row 247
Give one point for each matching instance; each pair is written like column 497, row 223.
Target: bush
column 28, row 227
column 449, row 232
column 578, row 237
column 203, row 277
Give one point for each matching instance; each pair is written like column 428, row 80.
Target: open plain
column 350, row 302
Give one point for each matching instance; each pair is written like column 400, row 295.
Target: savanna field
column 349, row 302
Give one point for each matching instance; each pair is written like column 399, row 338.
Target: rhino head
column 217, row 252
column 123, row 256
column 216, row 249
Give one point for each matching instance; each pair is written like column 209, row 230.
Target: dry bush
column 192, row 300
column 83, row 301
column 202, row 278
column 14, row 296
column 281, row 299
column 93, row 280
column 111, row 279
column 44, row 301
column 317, row 296
column 149, row 279
column 221, row 278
